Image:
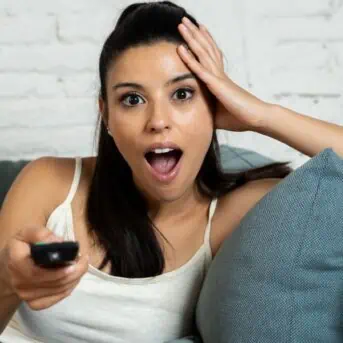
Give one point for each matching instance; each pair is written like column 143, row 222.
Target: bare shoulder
column 232, row 207
column 255, row 190
column 34, row 193
column 42, row 180
column 36, row 177
column 60, row 171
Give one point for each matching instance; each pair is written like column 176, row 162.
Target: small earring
column 109, row 132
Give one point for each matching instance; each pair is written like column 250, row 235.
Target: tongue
column 163, row 163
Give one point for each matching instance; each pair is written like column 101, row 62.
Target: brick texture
column 286, row 52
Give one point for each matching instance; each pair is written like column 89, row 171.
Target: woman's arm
column 303, row 133
column 9, row 301
column 25, row 205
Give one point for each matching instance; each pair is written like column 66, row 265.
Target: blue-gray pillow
column 234, row 159
column 188, row 339
column 279, row 277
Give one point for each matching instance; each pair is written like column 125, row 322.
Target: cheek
column 124, row 135
column 122, row 125
column 197, row 122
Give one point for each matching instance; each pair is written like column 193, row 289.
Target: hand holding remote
column 42, row 274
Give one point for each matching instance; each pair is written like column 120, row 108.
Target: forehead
column 159, row 60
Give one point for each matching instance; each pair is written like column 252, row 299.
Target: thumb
column 20, row 243
column 37, row 234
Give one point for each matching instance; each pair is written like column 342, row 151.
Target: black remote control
column 53, row 255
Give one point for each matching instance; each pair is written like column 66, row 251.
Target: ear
column 102, row 109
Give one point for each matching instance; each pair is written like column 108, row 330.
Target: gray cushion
column 188, row 339
column 279, row 276
column 8, row 172
column 234, row 159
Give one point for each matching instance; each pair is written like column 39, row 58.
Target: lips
column 163, row 160
column 162, row 145
column 176, row 154
column 165, row 177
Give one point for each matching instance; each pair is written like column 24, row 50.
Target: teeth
column 162, row 151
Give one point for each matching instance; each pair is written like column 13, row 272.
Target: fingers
column 208, row 37
column 45, row 302
column 40, row 287
column 203, row 45
column 212, row 42
column 38, row 293
column 203, row 56
column 48, row 295
column 47, row 277
column 45, row 287
column 195, row 66
column 34, row 234
column 196, row 38
column 19, row 245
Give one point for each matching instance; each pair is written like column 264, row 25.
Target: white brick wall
column 286, row 52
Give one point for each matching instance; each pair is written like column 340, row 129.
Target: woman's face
column 153, row 98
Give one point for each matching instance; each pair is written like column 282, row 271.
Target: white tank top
column 105, row 308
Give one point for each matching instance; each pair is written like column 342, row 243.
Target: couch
column 278, row 277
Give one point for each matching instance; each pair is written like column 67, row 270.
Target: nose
column 159, row 118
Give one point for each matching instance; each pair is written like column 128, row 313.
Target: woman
column 152, row 208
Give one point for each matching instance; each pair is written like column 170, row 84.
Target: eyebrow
column 170, row 82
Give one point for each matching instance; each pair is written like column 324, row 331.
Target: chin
column 165, row 195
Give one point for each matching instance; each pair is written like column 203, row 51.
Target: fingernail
column 183, row 48
column 186, row 20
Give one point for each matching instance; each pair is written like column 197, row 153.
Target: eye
column 130, row 99
column 184, row 93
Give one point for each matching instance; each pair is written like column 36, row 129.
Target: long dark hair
column 116, row 211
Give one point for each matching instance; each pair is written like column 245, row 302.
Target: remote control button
column 54, row 256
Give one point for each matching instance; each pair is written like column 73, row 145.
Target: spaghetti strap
column 76, row 180
column 209, row 224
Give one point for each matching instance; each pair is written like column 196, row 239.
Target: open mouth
column 163, row 163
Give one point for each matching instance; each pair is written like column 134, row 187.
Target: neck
column 178, row 209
